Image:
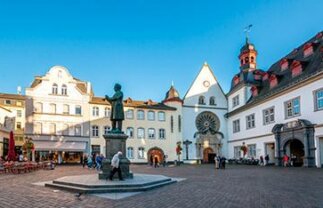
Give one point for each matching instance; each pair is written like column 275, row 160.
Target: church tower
column 248, row 57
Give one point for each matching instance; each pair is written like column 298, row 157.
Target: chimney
column 89, row 87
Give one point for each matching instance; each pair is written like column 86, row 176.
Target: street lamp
column 187, row 143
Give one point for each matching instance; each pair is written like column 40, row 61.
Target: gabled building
column 204, row 122
column 279, row 111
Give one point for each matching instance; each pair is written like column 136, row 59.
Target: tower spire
column 247, row 31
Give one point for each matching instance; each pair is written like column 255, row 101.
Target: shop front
column 61, row 152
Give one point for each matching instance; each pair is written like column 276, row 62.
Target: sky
column 146, row 45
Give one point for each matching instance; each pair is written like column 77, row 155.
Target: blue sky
column 145, row 45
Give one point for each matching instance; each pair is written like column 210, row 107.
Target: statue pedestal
column 115, row 143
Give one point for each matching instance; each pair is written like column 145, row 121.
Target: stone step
column 110, row 184
column 88, row 190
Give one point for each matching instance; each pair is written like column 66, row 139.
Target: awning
column 60, row 146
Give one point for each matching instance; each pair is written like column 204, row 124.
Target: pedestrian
column 156, row 162
column 216, row 162
column 115, row 164
column 98, row 161
column 262, row 160
column 267, row 159
column 285, row 160
column 85, row 160
column 164, row 161
column 293, row 159
column 89, row 162
column 151, row 159
column 223, row 159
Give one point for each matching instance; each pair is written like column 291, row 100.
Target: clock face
column 207, row 122
column 206, row 83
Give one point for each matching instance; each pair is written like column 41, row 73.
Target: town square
column 161, row 104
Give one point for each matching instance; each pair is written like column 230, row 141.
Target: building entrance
column 207, row 155
column 295, row 150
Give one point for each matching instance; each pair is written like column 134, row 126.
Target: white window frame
column 250, row 121
column 235, row 101
column 317, row 99
column 162, row 134
column 64, row 89
column 151, row 115
column 268, row 116
column 78, row 130
column 129, row 114
column 95, row 131
column 151, row 133
column 140, row 130
column 78, row 107
column 141, row 153
column 290, row 107
column 107, row 112
column 252, row 150
column 54, row 89
column 236, row 126
column 106, row 129
column 130, row 152
column 140, row 115
column 95, row 111
column 130, row 132
column 161, row 116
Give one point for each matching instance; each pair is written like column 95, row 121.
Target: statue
column 117, row 113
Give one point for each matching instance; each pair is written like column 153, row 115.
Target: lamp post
column 187, row 143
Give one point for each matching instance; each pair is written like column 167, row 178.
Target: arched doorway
column 155, row 152
column 295, row 150
column 207, row 155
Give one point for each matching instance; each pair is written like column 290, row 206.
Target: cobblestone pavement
column 237, row 186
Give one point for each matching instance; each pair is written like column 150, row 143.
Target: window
column 235, row 101
column 78, row 130
column 19, row 103
column 78, row 110
column 151, row 133
column 202, row 100
column 140, row 133
column 284, row 64
column 52, row 128
column 292, row 108
column 106, row 130
column 172, row 124
column 252, row 151
column 65, row 130
column 8, row 102
column 107, row 112
column 237, row 152
column 19, row 125
column 66, row 109
column 236, row 125
column 52, row 108
column 95, row 111
column 129, row 132
column 212, row 100
column 54, row 89
column 95, row 131
column 140, row 115
column 273, row 81
column 38, row 128
column 250, row 121
column 96, row 149
column 64, row 89
column 179, row 123
column 141, row 153
column 130, row 152
column 19, row 113
column 318, row 97
column 161, row 116
column 38, row 107
column 162, row 134
column 269, row 115
column 296, row 68
column 129, row 114
column 151, row 115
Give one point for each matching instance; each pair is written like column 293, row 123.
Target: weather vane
column 247, row 31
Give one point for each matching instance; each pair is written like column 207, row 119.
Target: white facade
column 57, row 115
column 206, row 87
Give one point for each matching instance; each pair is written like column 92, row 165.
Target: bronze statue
column 117, row 113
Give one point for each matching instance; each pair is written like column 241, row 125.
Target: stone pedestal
column 115, row 143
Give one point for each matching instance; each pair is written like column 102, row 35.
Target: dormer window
column 246, row 60
column 284, row 64
column 236, row 80
column 202, row 100
column 308, row 49
column 54, row 89
column 296, row 68
column 257, row 75
column 265, row 77
column 254, row 91
column 273, row 81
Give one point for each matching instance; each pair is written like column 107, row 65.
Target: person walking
column 267, row 159
column 223, row 159
column 156, row 162
column 151, row 160
column 115, row 164
column 98, row 161
column 262, row 161
column 85, row 160
column 216, row 162
column 285, row 160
